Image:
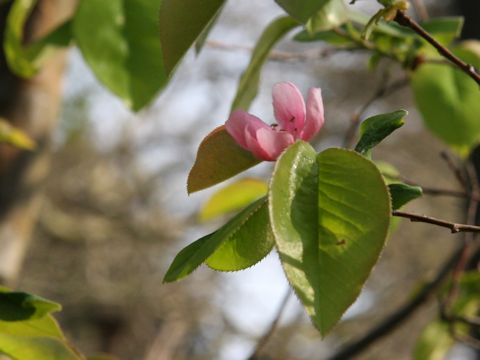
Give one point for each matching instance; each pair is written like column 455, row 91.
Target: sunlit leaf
column 376, row 128
column 449, row 101
column 240, row 243
column 35, row 339
column 434, row 342
column 330, row 215
column 181, row 23
column 119, row 40
column 233, row 197
column 218, row 159
column 248, row 85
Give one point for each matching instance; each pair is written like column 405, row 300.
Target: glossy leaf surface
column 330, row 215
column 218, row 159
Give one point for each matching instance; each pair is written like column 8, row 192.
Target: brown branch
column 454, row 227
column 271, row 329
column 404, row 20
column 399, row 316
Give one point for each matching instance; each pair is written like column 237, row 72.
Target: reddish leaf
column 218, row 159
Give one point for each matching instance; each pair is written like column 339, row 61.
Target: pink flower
column 267, row 142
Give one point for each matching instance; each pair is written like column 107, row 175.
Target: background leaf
column 449, row 101
column 330, row 215
column 218, row 159
column 181, row 23
column 233, row 197
column 14, row 136
column 333, row 14
column 123, row 50
column 248, row 86
column 434, row 342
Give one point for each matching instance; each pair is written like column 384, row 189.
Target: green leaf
column 233, row 197
column 119, row 40
column 240, row 243
column 444, row 29
column 202, row 38
column 24, row 60
column 15, row 137
column 249, row 81
column 332, row 14
column 329, row 37
column 181, row 23
column 218, row 159
column 247, row 245
column 376, row 128
column 35, row 339
column 402, row 194
column 434, row 342
column 16, row 306
column 449, row 101
column 330, row 215
column 302, row 10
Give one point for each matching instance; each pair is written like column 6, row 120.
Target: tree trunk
column 31, row 105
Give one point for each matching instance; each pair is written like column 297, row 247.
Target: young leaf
column 449, row 100
column 302, row 10
column 233, row 197
column 249, row 81
column 218, row 159
column 402, row 194
column 376, row 128
column 181, row 23
column 444, row 29
column 24, row 60
column 17, row 306
column 240, row 243
column 123, row 49
column 330, row 215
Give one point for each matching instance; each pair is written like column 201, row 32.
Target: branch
column 404, row 20
column 398, row 317
column 268, row 334
column 454, row 227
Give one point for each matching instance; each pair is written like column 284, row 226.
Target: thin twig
column 404, row 20
column 399, row 316
column 459, row 175
column 454, row 227
column 382, row 91
column 271, row 329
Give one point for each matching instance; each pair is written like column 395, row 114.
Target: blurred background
column 115, row 209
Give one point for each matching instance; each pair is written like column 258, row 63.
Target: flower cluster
column 295, row 121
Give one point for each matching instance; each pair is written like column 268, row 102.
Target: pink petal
column 238, row 122
column 273, row 142
column 315, row 118
column 289, row 107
